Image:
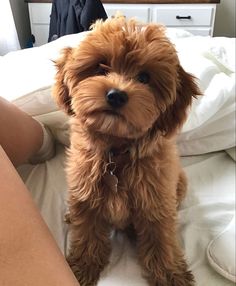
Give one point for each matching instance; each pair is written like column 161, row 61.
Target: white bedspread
column 26, row 77
column 206, row 211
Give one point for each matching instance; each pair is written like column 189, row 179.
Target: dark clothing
column 73, row 16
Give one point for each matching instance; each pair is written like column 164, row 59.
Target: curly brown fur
column 114, row 55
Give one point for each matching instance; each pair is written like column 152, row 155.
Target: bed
column 206, row 145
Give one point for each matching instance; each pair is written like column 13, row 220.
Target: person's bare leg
column 20, row 135
column 29, row 254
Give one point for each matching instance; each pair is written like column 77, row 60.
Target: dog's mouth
column 109, row 122
column 107, row 112
column 112, row 112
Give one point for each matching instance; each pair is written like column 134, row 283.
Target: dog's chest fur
column 117, row 191
column 140, row 182
column 117, row 209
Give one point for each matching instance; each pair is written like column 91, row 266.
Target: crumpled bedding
column 26, row 79
column 207, row 209
column 211, row 122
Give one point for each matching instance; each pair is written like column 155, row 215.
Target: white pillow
column 211, row 123
column 210, row 126
column 37, row 102
column 25, row 71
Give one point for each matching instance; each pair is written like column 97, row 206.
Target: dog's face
column 124, row 80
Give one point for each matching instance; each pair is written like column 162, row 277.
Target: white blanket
column 206, row 211
column 26, row 78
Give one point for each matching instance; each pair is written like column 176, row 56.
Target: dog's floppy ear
column 175, row 115
column 60, row 89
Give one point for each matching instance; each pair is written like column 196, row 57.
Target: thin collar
column 115, row 152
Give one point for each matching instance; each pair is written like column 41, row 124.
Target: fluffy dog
column 127, row 95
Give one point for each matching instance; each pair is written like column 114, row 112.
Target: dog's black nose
column 116, row 98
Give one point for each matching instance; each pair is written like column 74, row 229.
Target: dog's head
column 124, row 80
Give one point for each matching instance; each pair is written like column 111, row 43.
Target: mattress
column 206, row 145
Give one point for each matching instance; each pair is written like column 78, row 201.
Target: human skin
column 28, row 253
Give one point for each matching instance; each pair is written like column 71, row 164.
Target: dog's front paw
column 87, row 275
column 182, row 279
column 175, row 279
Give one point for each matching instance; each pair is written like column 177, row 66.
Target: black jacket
column 73, row 16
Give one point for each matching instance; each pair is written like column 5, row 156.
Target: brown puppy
column 127, row 96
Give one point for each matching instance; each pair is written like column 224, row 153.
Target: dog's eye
column 143, row 77
column 102, row 69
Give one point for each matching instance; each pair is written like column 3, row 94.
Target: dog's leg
column 181, row 187
column 160, row 254
column 90, row 247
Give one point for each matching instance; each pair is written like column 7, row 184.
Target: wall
column 21, row 17
column 225, row 19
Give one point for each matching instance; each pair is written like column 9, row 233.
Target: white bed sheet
column 206, row 211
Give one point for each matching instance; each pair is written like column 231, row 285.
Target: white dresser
column 197, row 18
